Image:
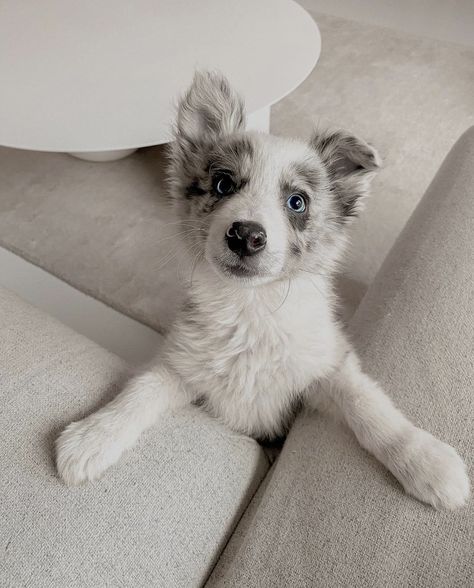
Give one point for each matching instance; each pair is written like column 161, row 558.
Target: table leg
column 102, row 155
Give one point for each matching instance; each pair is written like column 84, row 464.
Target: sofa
column 197, row 504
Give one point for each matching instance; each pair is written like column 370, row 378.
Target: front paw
column 431, row 470
column 85, row 449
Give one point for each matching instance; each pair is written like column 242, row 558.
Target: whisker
column 165, row 260
column 193, row 269
column 170, row 255
column 182, row 259
column 284, row 299
column 187, row 232
column 184, row 223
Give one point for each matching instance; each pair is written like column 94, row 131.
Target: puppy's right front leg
column 85, row 449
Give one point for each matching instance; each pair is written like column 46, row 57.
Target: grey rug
column 103, row 227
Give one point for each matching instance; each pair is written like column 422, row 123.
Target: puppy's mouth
column 248, row 270
column 235, row 268
column 240, row 270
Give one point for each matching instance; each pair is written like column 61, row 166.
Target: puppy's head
column 259, row 207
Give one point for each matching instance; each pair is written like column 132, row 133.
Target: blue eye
column 296, row 203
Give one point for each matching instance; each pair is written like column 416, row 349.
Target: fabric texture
column 103, row 227
column 158, row 518
column 331, row 515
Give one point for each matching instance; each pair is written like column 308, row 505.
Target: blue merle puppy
column 269, row 219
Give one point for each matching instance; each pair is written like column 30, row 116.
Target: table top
column 97, row 75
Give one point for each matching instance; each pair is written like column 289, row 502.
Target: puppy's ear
column 209, row 108
column 351, row 164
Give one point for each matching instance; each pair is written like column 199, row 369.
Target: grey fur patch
column 308, row 174
column 295, row 249
column 298, row 220
column 209, row 112
column 350, row 163
column 205, row 204
column 194, row 189
column 189, row 307
column 233, row 157
column 190, row 313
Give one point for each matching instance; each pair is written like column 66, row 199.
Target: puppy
column 266, row 220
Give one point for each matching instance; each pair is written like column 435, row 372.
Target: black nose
column 246, row 238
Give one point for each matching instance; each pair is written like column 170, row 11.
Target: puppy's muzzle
column 246, row 238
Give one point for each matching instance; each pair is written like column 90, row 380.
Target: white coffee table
column 96, row 78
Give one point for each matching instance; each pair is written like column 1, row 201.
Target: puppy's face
column 257, row 207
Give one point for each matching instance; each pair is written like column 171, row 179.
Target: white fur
column 249, row 348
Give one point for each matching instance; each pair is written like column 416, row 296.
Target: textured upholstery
column 330, row 514
column 159, row 518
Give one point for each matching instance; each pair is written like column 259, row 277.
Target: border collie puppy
column 266, row 220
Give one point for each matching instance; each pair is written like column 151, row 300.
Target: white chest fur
column 249, row 354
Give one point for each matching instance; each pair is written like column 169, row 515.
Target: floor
column 409, row 96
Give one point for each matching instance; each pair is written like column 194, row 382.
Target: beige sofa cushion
column 330, row 514
column 159, row 518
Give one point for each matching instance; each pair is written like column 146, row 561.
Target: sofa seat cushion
column 158, row 518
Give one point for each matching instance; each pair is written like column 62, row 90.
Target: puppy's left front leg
column 428, row 469
column 85, row 449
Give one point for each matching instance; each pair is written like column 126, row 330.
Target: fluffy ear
column 351, row 164
column 209, row 108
